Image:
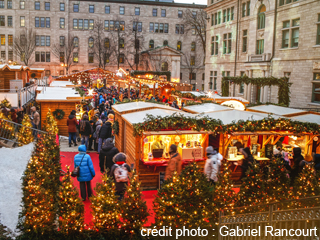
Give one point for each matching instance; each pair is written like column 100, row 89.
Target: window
column 106, row 43
column 111, row 26
column 3, row 55
column 91, row 8
column 90, row 42
column 22, row 21
column 106, row 25
column 36, row 5
column 62, row 7
column 216, row 19
column 137, row 26
column 76, row 42
column 232, row 13
column 156, row 27
column 47, row 6
column 210, row 80
column 121, row 43
column 47, row 22
column 244, row 40
column 3, row 39
column 248, row 8
column 193, row 46
column 193, row 30
column 194, row 14
column 121, row 11
column 244, row 9
column 61, row 41
column 75, row 7
column 10, row 40
column 37, row 40
column 224, row 15
column 215, row 80
column 161, row 28
column 285, row 38
column 219, row 17
column 192, row 76
column 86, row 24
column 48, row 41
column 282, row 2
column 91, row 24
column 80, row 24
column 61, row 22
column 9, row 4
column 165, row 43
column 177, row 28
column 154, row 12
column 151, row 44
column 166, row 28
column 37, row 22
column 228, row 14
column 180, row 14
column 192, row 60
column 22, row 4
column 137, row 11
column 2, row 21
column 10, row 55
column 179, row 45
column 318, row 31
column 37, row 57
column 75, row 57
column 316, row 88
column 261, row 17
column 121, row 25
column 47, row 56
column 90, row 57
column 42, row 22
column 107, row 9
column 48, row 73
column 260, row 46
column 75, row 23
column 295, row 33
column 61, row 56
column 163, row 13
column 121, row 58
column 43, row 40
column 227, row 43
column 107, row 56
column 212, row 19
column 151, row 27
column 164, row 66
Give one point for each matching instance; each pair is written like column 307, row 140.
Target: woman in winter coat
column 72, row 127
column 107, row 152
column 246, row 161
column 96, row 134
column 86, row 173
column 174, row 164
column 85, row 130
column 212, row 166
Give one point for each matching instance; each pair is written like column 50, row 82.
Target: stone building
column 265, row 38
column 159, row 26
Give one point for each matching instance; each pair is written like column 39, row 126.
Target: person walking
column 85, row 130
column 107, row 152
column 72, row 128
column 96, row 134
column 174, row 164
column 86, row 172
column 119, row 173
column 212, row 165
column 105, row 132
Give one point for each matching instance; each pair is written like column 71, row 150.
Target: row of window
column 159, row 27
column 228, row 15
column 43, row 41
column 42, row 22
column 3, row 21
column 9, row 4
column 82, row 24
column 3, row 40
column 10, row 55
column 283, row 2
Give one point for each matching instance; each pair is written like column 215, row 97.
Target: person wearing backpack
column 174, row 164
column 86, row 172
column 119, row 173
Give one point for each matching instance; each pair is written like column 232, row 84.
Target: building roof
column 138, row 117
column 195, row 93
column 13, row 67
column 205, row 108
column 161, row 48
column 60, row 83
column 124, row 107
column 56, row 94
column 283, row 111
column 309, row 117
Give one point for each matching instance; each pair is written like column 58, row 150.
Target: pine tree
column 307, row 184
column 278, row 183
column 25, row 133
column 185, row 200
column 70, row 207
column 105, row 206
column 224, row 196
column 252, row 189
column 134, row 210
column 51, row 124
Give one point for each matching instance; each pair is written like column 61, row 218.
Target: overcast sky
column 192, row 1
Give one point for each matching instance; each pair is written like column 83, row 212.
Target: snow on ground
column 13, row 163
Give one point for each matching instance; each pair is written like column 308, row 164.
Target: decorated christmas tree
column 307, row 184
column 278, row 183
column 5, row 103
column 105, row 206
column 252, row 189
column 25, row 133
column 134, row 211
column 224, row 196
column 185, row 200
column 51, row 124
column 70, row 207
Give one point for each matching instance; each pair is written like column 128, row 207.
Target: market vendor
column 158, row 144
column 177, row 142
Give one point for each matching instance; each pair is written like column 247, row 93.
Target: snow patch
column 13, row 163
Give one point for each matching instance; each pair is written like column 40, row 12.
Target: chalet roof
column 309, row 117
column 283, row 111
column 13, row 67
column 57, row 94
column 205, row 108
column 124, row 107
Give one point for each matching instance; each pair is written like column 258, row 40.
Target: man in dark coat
column 105, row 133
column 247, row 161
column 72, row 127
column 297, row 168
column 107, row 152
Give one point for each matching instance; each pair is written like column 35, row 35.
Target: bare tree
column 193, row 62
column 196, row 23
column 24, row 45
column 153, row 60
column 64, row 51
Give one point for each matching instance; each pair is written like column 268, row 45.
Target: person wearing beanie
column 246, row 161
column 212, row 165
column 119, row 173
column 174, row 163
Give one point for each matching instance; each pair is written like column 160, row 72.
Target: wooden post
column 140, row 90
column 154, row 89
column 118, row 86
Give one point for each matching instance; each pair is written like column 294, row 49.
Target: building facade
column 159, row 25
column 265, row 38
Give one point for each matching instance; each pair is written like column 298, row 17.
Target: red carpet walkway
column 68, row 160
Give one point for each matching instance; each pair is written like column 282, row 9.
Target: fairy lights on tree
column 25, row 134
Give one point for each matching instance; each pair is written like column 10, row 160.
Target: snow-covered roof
column 12, row 67
column 309, row 117
column 204, row 108
column 56, row 93
column 123, row 107
column 283, row 111
column 37, row 69
column 60, row 83
column 197, row 94
column 138, row 117
column 228, row 116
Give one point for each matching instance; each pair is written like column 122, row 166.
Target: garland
column 139, row 100
column 282, row 83
column 58, row 114
column 158, row 73
column 214, row 126
column 80, row 91
column 115, row 127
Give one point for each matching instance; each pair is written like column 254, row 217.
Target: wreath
column 58, row 114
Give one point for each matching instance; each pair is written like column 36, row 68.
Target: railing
column 19, row 98
column 9, row 131
column 44, row 81
column 286, row 215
